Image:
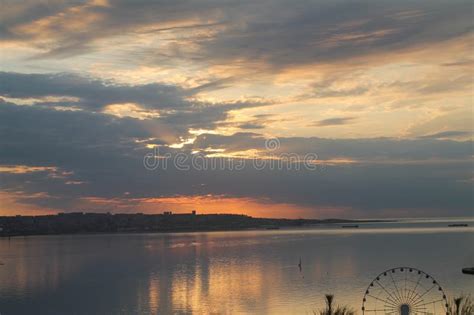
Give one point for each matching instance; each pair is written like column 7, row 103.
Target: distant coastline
column 91, row 223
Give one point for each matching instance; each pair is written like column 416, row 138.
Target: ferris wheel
column 404, row 291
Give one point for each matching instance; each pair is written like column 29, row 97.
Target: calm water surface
column 248, row 272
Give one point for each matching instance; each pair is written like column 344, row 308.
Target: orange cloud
column 13, row 203
column 23, row 169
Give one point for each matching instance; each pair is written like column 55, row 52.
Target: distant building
column 193, row 212
column 168, row 213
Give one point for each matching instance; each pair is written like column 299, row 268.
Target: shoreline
column 94, row 223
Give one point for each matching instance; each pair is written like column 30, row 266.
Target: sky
column 307, row 109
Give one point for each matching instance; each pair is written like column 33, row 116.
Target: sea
column 285, row 271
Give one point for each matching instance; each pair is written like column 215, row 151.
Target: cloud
column 437, row 85
column 459, row 120
column 92, row 93
column 336, row 121
column 447, row 134
column 170, row 106
column 208, row 116
column 213, row 85
column 105, row 154
column 319, row 32
column 259, row 121
column 368, row 151
column 269, row 33
column 251, row 125
column 460, row 63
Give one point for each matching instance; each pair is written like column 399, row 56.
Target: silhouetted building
column 86, row 222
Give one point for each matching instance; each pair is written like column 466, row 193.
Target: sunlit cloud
column 129, row 110
column 23, row 169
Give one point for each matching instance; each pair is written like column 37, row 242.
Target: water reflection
column 222, row 272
